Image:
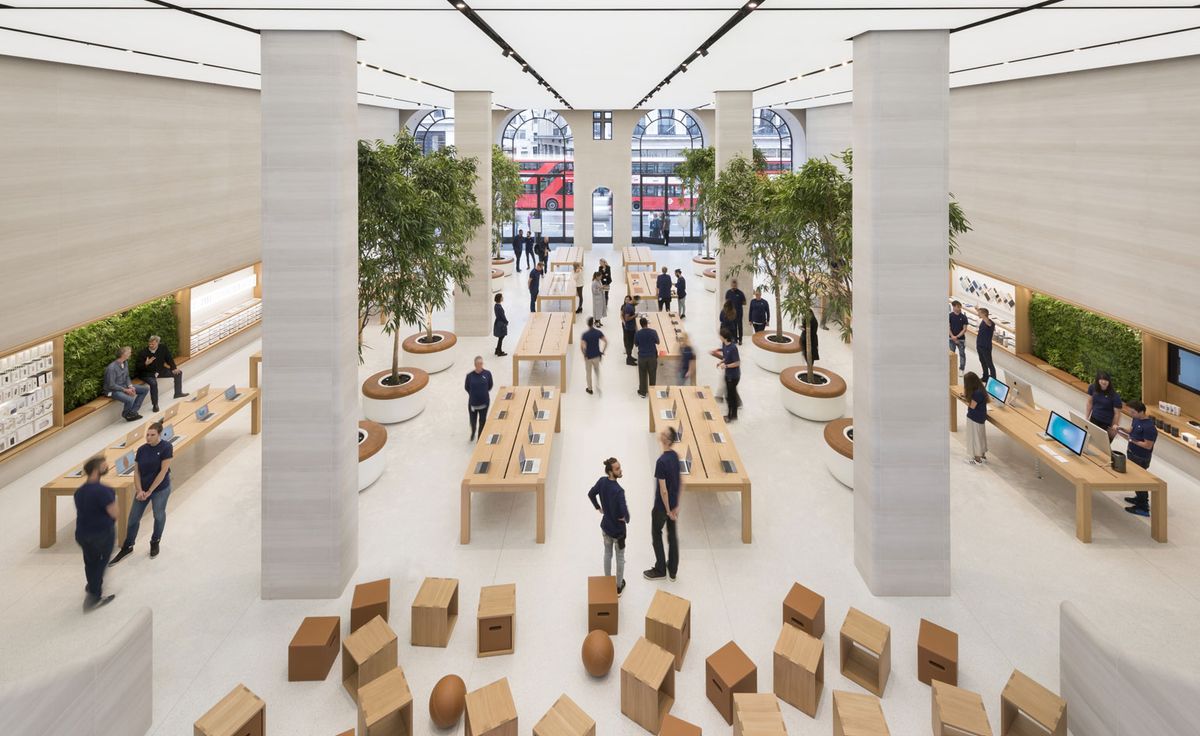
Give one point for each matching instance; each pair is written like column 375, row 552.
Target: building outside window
column 773, row 137
column 602, row 125
column 541, row 143
column 662, row 207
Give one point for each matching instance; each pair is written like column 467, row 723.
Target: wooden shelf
column 1180, row 421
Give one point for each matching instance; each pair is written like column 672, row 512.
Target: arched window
column 541, row 143
column 435, row 130
column 662, row 210
column 773, row 137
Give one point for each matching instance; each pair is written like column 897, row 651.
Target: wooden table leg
column 746, row 518
column 1083, row 513
column 124, row 501
column 464, row 529
column 953, row 414
column 1158, row 514
column 541, row 513
column 49, row 532
column 562, row 374
column 516, row 372
column 256, row 414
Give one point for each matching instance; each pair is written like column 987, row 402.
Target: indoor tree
column 698, row 170
column 506, row 187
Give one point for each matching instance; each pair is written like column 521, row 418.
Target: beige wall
column 603, row 164
column 827, row 130
column 379, row 122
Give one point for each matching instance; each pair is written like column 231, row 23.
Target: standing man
column 958, row 334
column 500, row 325
column 152, row 487
column 681, row 293
column 666, row 229
column 731, row 363
column 647, row 360
column 518, row 245
column 594, row 345
column 529, row 248
column 579, row 287
column 154, row 362
column 478, row 386
column 615, row 515
column 628, row 328
column 737, row 297
column 606, row 281
column 668, row 485
column 544, row 252
column 1142, row 436
column 599, row 299
column 95, row 529
column 535, row 285
column 760, row 312
column 118, row 386
column 983, row 344
column 663, row 286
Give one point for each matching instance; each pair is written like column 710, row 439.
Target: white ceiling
column 598, row 54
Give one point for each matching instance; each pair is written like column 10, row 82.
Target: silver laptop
column 131, row 439
column 547, row 393
column 493, row 438
column 1098, row 442
column 169, row 435
column 664, row 393
column 231, row 393
column 204, row 413
column 508, row 396
column 1022, row 389
column 718, row 438
column 685, row 463
column 482, row 466
column 728, row 466
column 669, row 413
column 170, row 413
column 126, row 464
column 200, row 393
column 536, row 438
column 528, row 465
column 539, row 413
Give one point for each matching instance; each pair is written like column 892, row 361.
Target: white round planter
column 497, row 279
column 840, row 466
column 823, row 407
column 503, row 264
column 699, row 264
column 397, row 408
column 773, row 360
column 371, row 467
column 710, row 279
column 431, row 358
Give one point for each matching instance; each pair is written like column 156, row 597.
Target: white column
column 310, row 277
column 473, row 139
column 901, row 454
column 734, row 137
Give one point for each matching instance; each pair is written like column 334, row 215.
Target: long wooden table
column 699, row 419
column 643, row 284
column 1087, row 473
column 545, row 337
column 557, row 288
column 670, row 354
column 637, row 257
column 510, row 417
column 185, row 423
column 567, row 258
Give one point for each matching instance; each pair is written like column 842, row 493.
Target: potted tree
column 506, row 187
column 698, row 170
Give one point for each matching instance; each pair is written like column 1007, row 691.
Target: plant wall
column 1081, row 343
column 87, row 350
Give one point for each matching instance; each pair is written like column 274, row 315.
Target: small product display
column 221, row 326
column 866, row 651
column 26, row 394
column 222, row 307
column 976, row 290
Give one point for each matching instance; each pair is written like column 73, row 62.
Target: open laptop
column 547, row 393
column 508, row 396
column 204, row 413
column 1022, row 390
column 685, row 463
column 493, row 438
column 728, row 466
column 126, row 464
column 718, row 438
column 169, row 435
column 664, row 393
column 482, row 466
column 231, row 393
column 539, row 413
column 528, row 465
column 170, row 413
column 1097, row 436
column 669, row 413
column 536, row 438
column 200, row 393
column 132, row 438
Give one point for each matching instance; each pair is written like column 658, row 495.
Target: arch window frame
column 767, row 117
column 652, row 123
column 426, row 124
column 526, row 119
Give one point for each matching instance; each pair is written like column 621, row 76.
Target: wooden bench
column 696, row 413
column 567, row 259
column 637, row 258
column 545, row 337
column 557, row 288
column 494, row 465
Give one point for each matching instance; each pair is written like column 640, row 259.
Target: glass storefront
column 773, row 137
column 435, row 130
column 662, row 206
column 541, row 143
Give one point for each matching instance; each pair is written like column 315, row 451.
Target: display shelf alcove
column 774, row 352
column 391, row 404
column 433, row 356
column 822, row 401
column 215, row 310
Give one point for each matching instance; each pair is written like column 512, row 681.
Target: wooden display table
column 314, row 648
column 958, row 712
column 637, row 257
column 799, row 671
column 1028, row 709
column 255, row 407
column 670, row 351
column 490, row 710
column 370, row 600
column 647, row 685
column 866, row 651
column 240, row 713
column 565, row 718
column 434, row 612
column 937, row 654
column 186, row 425
column 757, row 714
column 385, row 706
column 567, row 259
column 545, row 337
column 496, row 621
column 728, row 671
column 557, row 294
column 858, row 715
column 669, row 624
column 644, row 285
column 367, row 654
column 494, row 466
column 603, row 611
column 1088, row 473
column 805, row 610
column 716, row 464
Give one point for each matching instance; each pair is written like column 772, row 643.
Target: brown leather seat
column 376, row 438
column 411, row 344
column 373, row 389
column 835, row 437
column 836, row 385
column 761, row 340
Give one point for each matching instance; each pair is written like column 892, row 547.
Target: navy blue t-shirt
column 1142, row 429
column 680, row 287
column 760, row 311
column 663, row 282
column 686, row 356
column 979, row 413
column 983, row 341
column 729, row 354
column 629, row 325
column 591, row 342
column 958, row 323
column 612, row 503
column 149, row 461
column 646, row 340
column 91, row 508
column 535, row 281
column 666, row 468
column 477, row 386
column 738, row 297
column 1104, row 406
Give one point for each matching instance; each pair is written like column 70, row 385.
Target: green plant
column 1082, row 343
column 88, row 349
column 698, row 170
column 506, row 187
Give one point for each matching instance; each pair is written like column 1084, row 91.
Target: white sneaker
column 970, row 461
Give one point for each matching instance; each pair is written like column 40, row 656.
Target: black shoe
column 91, row 604
column 153, row 549
column 588, row 390
column 729, row 419
column 653, row 574
column 180, row 396
column 154, row 409
column 502, row 353
column 125, row 552
column 1138, row 510
column 620, row 587
column 130, row 417
column 137, row 416
column 672, row 576
column 1132, row 500
column 631, row 361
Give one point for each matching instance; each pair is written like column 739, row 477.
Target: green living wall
column 87, row 350
column 1082, row 343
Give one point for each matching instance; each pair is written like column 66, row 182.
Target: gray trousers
column 609, row 543
column 592, row 365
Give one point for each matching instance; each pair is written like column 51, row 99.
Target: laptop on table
column 126, row 464
column 170, row 413
column 539, row 413
column 200, row 393
column 132, row 438
column 536, row 438
column 670, row 413
column 231, row 393
column 204, row 413
column 528, row 465
column 685, row 463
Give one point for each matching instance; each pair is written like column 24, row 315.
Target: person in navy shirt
column 500, row 325
column 535, row 285
column 668, row 485
column 608, row 497
column 1103, row 403
column 646, row 340
column 1142, row 436
column 681, row 293
column 593, row 344
column 737, row 297
column 628, row 328
column 687, row 361
column 731, row 363
column 478, row 386
column 663, row 286
column 152, row 487
column 727, row 318
column 95, row 529
column 958, row 333
column 760, row 312
column 518, row 245
column 977, row 401
column 983, row 344
column 529, row 249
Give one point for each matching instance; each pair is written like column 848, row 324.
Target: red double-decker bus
column 660, row 197
column 548, row 185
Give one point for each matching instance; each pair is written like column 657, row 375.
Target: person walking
column 579, row 288
column 544, row 252
column 983, row 344
column 977, row 401
column 95, row 529
column 593, row 345
column 118, row 386
column 499, row 325
column 518, row 245
column 731, row 363
column 666, row 230
column 599, row 299
column 606, row 280
column 608, row 497
column 668, row 486
column 1103, row 403
column 646, row 340
column 151, row 487
column 687, row 361
column 737, row 297
column 478, row 386
column 727, row 318
column 663, row 287
column 535, row 285
column 628, row 328
column 1142, row 436
column 154, row 362
column 760, row 312
column 958, row 333
column 681, row 293
column 529, row 248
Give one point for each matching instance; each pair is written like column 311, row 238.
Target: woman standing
column 1103, row 403
column 977, row 400
column 605, row 279
column 728, row 317
column 579, row 287
column 500, row 326
column 599, row 299
column 152, row 487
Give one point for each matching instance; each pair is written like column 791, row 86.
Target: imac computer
column 1097, row 435
column 1066, row 433
column 998, row 390
column 1021, row 390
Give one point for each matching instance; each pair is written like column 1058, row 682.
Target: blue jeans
column 961, row 345
column 157, row 500
column 132, row 403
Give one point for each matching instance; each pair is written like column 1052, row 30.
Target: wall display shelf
column 28, row 394
column 977, row 290
column 225, row 324
column 218, row 309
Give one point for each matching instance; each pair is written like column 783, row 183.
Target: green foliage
column 506, row 187
column 1082, row 343
column 87, row 350
column 698, row 170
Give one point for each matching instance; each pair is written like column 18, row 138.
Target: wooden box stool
column 497, row 620
column 669, row 624
column 434, row 612
column 565, row 718
column 866, row 651
column 367, row 654
column 240, row 713
column 385, row 706
column 1025, row 704
column 805, row 610
column 314, row 648
column 937, row 654
column 602, row 604
column 370, row 600
column 647, row 684
column 672, row 726
column 727, row 671
column 491, row 711
column 958, row 712
column 799, row 669
column 855, row 714
column 757, row 714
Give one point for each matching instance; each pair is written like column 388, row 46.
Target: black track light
column 506, row 53
column 704, row 52
column 460, row 5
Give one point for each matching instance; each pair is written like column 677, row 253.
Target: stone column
column 734, row 137
column 901, row 180
column 310, row 276
column 473, row 139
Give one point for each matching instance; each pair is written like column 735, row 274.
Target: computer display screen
column 1066, row 433
column 1183, row 368
column 998, row 390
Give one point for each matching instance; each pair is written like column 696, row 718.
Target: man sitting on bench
column 118, row 386
column 154, row 362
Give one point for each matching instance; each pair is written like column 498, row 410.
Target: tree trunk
column 396, row 357
column 778, row 312
column 429, row 325
column 808, row 351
